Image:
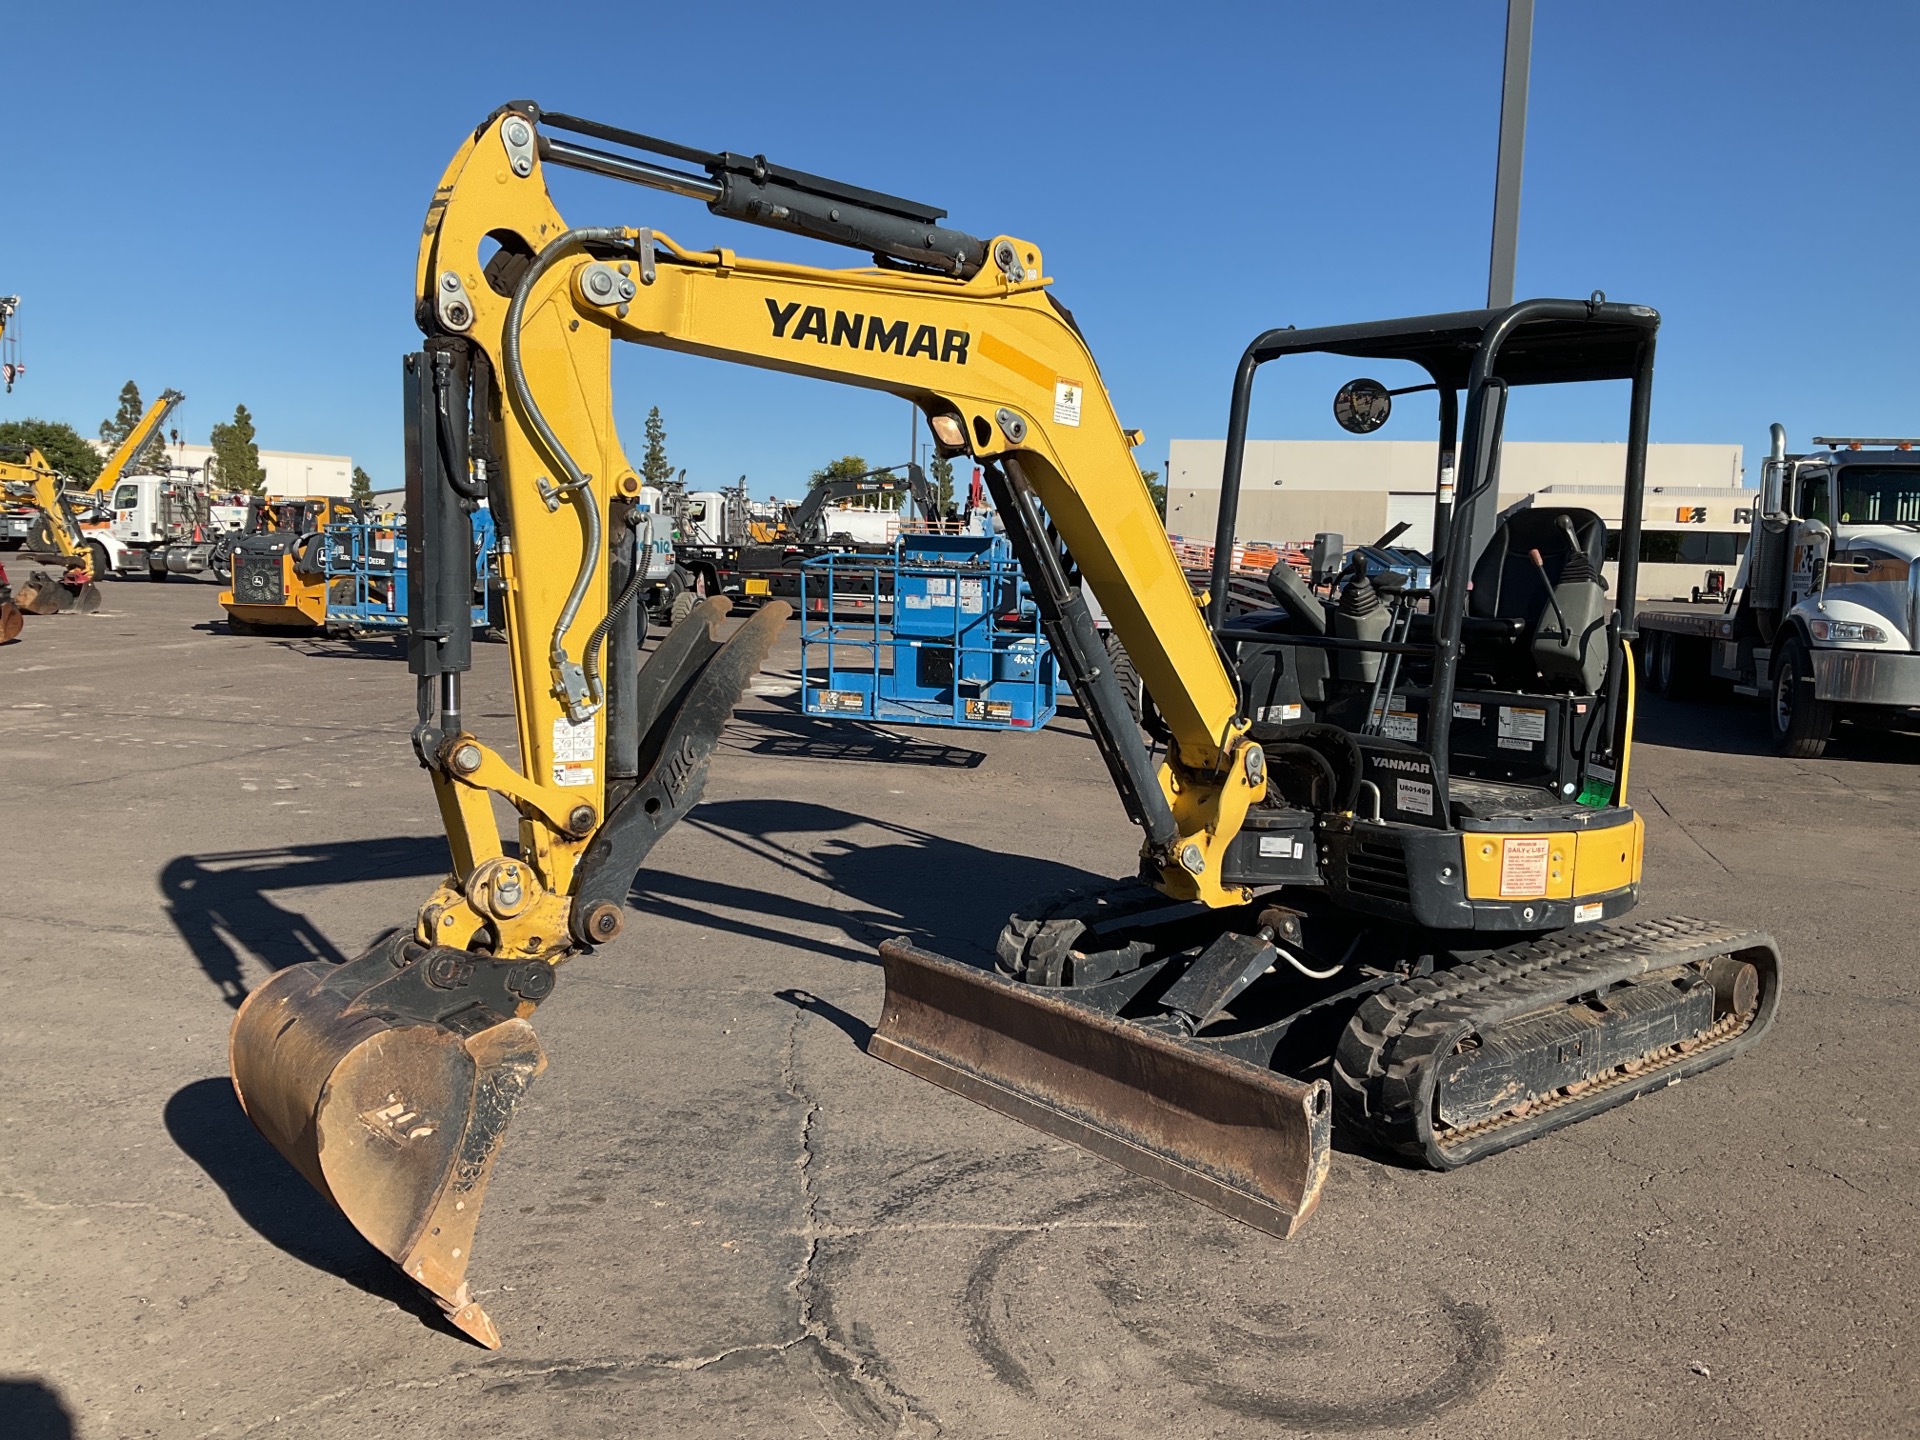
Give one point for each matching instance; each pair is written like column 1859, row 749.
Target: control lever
column 1566, row 631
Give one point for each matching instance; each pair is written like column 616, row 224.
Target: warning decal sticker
column 1066, row 401
column 1523, row 867
column 573, row 751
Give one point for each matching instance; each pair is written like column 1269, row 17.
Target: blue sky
column 225, row 198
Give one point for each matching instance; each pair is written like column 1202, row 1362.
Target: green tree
column 362, row 486
column 942, row 473
column 1157, row 491
column 847, row 467
column 236, row 459
column 58, row 441
column 125, row 418
column 655, row 469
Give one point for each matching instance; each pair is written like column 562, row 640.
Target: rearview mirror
column 1362, row 406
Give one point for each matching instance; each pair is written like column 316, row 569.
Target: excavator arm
column 995, row 364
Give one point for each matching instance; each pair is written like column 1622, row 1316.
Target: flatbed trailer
column 1823, row 624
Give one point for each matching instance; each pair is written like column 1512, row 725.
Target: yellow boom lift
column 1399, row 919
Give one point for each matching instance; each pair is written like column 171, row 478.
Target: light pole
column 1513, row 144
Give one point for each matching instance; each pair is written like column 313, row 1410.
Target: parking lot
column 715, row 1216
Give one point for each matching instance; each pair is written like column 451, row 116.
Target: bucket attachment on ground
column 11, row 621
column 48, row 594
column 1251, row 1143
column 388, row 1082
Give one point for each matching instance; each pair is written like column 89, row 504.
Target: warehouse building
column 1695, row 517
column 290, row 474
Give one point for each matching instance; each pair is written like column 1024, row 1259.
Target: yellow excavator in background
column 60, row 531
column 56, row 532
column 1340, row 902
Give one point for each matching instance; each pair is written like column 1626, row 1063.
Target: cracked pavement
column 714, row 1216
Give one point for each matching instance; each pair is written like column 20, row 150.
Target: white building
column 289, row 473
column 1694, row 518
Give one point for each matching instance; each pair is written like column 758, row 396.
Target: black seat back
column 1506, row 586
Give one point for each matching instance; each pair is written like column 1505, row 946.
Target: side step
column 1249, row 1142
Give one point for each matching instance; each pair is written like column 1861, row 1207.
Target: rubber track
column 1385, row 1066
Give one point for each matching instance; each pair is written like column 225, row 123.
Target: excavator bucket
column 11, row 622
column 394, row 1117
column 389, row 1081
column 49, row 594
column 1251, row 1143
column 44, row 594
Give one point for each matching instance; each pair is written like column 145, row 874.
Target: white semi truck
column 1824, row 618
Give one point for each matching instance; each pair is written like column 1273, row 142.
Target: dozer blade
column 1249, row 1142
column 388, row 1082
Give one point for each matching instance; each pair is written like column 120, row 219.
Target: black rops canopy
column 1604, row 343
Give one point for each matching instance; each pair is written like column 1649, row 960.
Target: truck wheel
column 1801, row 721
column 682, row 607
column 1660, row 662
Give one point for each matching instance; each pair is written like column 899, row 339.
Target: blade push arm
column 987, row 356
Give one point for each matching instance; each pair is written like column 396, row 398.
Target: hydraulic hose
column 590, row 657
column 577, row 485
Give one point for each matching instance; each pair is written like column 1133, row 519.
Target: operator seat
column 1512, row 631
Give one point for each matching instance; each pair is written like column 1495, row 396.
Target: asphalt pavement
column 715, row 1216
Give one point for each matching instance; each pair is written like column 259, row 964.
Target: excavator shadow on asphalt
column 907, row 882
column 206, row 1122
column 790, row 735
column 224, row 905
column 230, row 910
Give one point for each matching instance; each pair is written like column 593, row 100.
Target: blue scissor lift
column 947, row 636
column 365, row 564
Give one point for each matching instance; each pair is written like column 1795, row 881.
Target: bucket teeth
column 396, row 1118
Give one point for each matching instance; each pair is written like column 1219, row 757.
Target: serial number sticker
column 572, row 774
column 572, row 742
column 1509, row 744
column 1523, row 867
column 1281, row 847
column 1415, row 797
column 1516, row 724
column 1586, row 914
column 1464, row 711
column 1400, row 725
column 1279, row 714
column 1067, row 395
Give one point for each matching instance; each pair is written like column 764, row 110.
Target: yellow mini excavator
column 1383, row 853
column 56, row 532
